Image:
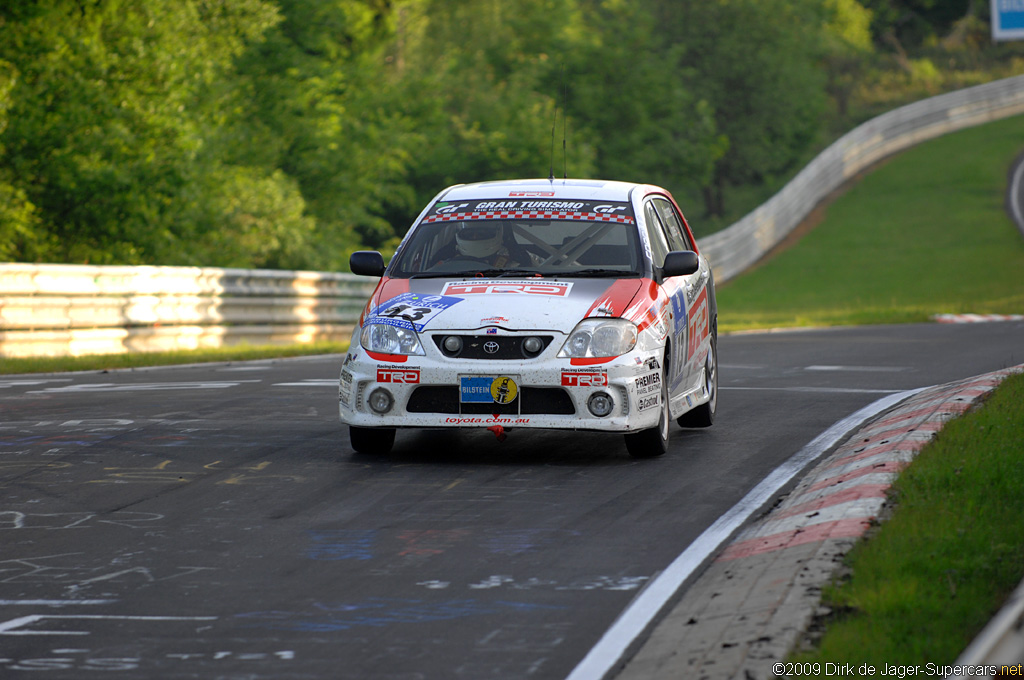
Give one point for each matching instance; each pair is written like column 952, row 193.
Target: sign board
column 1008, row 19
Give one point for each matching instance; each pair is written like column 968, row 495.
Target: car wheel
column 653, row 442
column 371, row 440
column 704, row 415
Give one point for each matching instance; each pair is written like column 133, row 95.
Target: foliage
column 288, row 133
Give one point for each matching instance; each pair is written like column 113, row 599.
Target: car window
column 673, row 225
column 656, row 232
column 588, row 240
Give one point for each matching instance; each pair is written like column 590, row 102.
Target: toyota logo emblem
column 491, row 347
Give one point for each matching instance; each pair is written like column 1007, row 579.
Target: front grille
column 505, row 347
column 531, row 401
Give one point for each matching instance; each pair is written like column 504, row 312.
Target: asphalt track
column 212, row 521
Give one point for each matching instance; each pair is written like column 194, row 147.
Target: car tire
column 653, row 442
column 704, row 415
column 371, row 440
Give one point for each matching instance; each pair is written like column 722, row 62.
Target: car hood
column 510, row 304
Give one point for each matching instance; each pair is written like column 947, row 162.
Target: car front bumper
column 550, row 392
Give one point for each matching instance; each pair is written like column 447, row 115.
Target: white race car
column 568, row 304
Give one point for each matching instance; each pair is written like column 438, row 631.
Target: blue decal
column 342, row 544
column 476, row 390
column 411, row 310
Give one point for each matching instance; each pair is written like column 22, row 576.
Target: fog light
column 380, row 401
column 533, row 345
column 453, row 344
column 600, row 404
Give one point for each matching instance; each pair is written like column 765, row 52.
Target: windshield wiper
column 439, row 275
column 502, row 273
column 593, row 272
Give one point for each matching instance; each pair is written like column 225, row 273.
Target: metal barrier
column 69, row 310
column 734, row 249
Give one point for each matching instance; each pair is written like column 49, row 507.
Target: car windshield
column 473, row 240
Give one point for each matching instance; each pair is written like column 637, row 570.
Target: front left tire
column 653, row 442
column 704, row 415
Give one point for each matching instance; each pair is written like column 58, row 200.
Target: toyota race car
column 568, row 304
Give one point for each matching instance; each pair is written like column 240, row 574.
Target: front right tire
column 371, row 440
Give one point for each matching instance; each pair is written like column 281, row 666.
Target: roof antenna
column 554, row 120
column 564, row 116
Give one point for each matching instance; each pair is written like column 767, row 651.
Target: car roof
column 592, row 189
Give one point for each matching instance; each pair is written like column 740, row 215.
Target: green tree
column 113, row 104
column 319, row 105
column 18, row 220
column 757, row 64
column 633, row 91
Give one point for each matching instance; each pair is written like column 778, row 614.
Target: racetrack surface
column 212, row 521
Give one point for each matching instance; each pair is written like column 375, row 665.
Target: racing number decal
column 407, row 312
column 411, row 310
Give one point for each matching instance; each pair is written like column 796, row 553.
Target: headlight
column 594, row 338
column 385, row 339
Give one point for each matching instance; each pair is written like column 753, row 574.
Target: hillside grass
column 933, row 575
column 922, row 234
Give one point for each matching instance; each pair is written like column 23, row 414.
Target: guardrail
column 734, row 249
column 61, row 310
column 70, row 310
column 998, row 651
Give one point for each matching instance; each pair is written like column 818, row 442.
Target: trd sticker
column 411, row 310
column 406, row 376
column 551, row 288
column 584, row 379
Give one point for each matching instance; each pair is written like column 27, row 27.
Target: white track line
column 604, row 656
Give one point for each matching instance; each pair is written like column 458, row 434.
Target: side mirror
column 366, row 263
column 680, row 263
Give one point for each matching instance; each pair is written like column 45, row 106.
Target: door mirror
column 680, row 263
column 366, row 263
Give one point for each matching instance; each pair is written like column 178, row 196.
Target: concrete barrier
column 70, row 310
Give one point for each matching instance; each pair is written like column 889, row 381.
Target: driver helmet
column 478, row 239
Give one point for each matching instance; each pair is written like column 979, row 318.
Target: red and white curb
column 843, row 495
column 976, row 318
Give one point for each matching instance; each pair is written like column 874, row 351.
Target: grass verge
column 923, row 234
column 932, row 576
column 101, row 362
